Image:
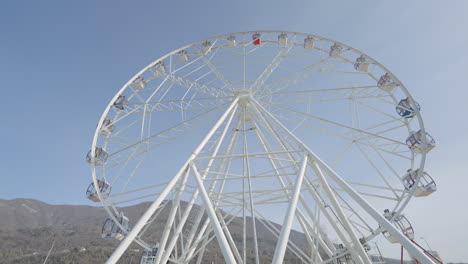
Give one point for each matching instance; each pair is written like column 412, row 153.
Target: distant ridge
column 29, row 227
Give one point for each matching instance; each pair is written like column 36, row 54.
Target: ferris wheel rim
column 152, row 64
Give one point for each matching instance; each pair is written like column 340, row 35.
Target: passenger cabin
column 364, row 244
column 335, row 50
column 139, row 83
column 231, row 41
column 402, row 223
column 386, row 83
column 426, row 184
column 100, row 157
column 206, row 47
column 160, row 67
column 308, row 43
column 415, row 142
column 183, row 55
column 283, row 39
column 257, row 39
column 120, row 103
column 106, row 127
column 361, row 64
column 407, row 109
column 149, row 256
column 104, row 189
column 344, row 259
column 110, row 229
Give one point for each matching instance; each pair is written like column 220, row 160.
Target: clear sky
column 62, row 61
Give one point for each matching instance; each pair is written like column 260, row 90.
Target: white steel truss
column 301, row 185
column 253, row 189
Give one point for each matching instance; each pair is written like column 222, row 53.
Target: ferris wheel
column 265, row 146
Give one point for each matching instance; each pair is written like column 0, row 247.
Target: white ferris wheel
column 267, row 146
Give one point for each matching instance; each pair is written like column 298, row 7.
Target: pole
column 288, row 219
column 414, row 251
column 223, row 243
column 155, row 205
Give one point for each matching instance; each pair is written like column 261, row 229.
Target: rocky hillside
column 29, row 227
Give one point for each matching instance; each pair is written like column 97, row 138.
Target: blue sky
column 61, row 62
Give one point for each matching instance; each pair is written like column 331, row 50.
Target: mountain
column 29, row 228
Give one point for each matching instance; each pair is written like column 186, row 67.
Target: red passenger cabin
column 257, row 39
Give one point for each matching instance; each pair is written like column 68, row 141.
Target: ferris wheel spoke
column 322, row 90
column 320, row 99
column 291, row 246
column 336, row 123
column 376, row 168
column 383, row 99
column 377, row 134
column 215, row 70
column 176, row 105
column 377, row 188
column 355, row 195
column 163, row 132
column 296, row 77
column 117, row 202
column 347, row 206
column 347, row 138
column 316, row 196
column 262, row 78
column 205, row 235
column 369, row 128
column 344, row 72
column 226, row 164
column 376, row 150
column 195, row 85
column 402, row 119
column 126, row 159
column 113, row 195
column 390, row 148
column 302, row 123
column 373, row 195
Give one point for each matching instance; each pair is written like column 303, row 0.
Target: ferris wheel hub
column 244, row 97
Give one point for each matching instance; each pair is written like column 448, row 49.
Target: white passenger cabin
column 183, row 56
column 283, row 39
column 231, row 41
column 361, row 64
column 402, row 223
column 104, row 189
column 309, row 43
column 100, row 157
column 407, row 109
column 335, row 50
column 120, row 103
column 415, row 142
column 106, row 127
column 160, row 67
column 112, row 230
column 386, row 83
column 206, row 47
column 364, row 244
column 149, row 256
column 426, row 184
column 139, row 83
